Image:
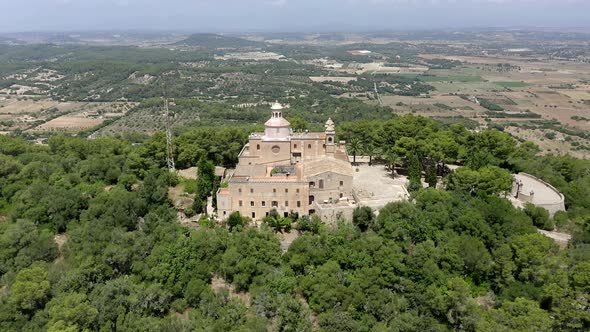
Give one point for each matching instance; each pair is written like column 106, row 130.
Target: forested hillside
column 89, row 241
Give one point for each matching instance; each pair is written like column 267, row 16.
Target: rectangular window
column 251, row 190
column 253, row 215
column 298, row 203
column 241, row 203
column 240, row 190
column 341, row 183
column 297, row 191
column 309, row 146
column 286, row 203
column 263, row 203
column 275, row 204
column 286, row 191
column 274, row 190
column 321, row 184
column 252, row 203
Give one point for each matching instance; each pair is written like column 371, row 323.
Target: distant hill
column 9, row 41
column 38, row 38
column 210, row 40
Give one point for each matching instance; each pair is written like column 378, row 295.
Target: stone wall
column 329, row 213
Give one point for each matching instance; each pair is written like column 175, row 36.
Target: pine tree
column 205, row 184
column 430, row 176
column 414, row 168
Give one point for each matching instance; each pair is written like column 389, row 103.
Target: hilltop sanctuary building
column 290, row 172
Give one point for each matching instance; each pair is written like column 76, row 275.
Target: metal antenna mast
column 169, row 146
column 378, row 96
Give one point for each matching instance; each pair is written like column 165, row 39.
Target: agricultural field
column 525, row 86
column 45, row 115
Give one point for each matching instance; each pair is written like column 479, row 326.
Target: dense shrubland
column 455, row 259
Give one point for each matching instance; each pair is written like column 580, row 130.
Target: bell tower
column 330, row 138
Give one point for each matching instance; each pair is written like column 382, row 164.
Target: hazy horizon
column 289, row 15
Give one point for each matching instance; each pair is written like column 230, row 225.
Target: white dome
column 277, row 127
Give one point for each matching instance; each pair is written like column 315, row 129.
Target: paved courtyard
column 374, row 186
column 539, row 193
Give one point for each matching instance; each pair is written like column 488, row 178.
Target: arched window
column 330, row 139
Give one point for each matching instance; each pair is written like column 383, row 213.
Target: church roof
column 323, row 165
column 277, row 122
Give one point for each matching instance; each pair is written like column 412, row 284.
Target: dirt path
column 60, row 240
column 218, row 283
column 561, row 238
column 287, row 239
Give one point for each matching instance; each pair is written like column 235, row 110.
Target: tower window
column 309, row 146
column 241, row 204
column 321, row 184
column 341, row 183
column 294, row 146
column 251, row 190
column 252, row 203
column 330, row 139
column 298, row 203
column 286, row 203
column 263, row 203
column 257, row 146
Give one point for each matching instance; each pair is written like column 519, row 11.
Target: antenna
column 378, row 96
column 169, row 146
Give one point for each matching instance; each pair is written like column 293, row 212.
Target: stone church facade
column 287, row 171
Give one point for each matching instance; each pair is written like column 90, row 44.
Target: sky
column 287, row 15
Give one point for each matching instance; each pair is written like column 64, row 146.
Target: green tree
column 236, row 221
column 354, row 147
column 71, row 311
column 30, row 289
column 373, row 151
column 431, row 176
column 363, row 217
column 298, row 123
column 393, row 161
column 540, row 216
column 205, row 184
column 414, row 168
